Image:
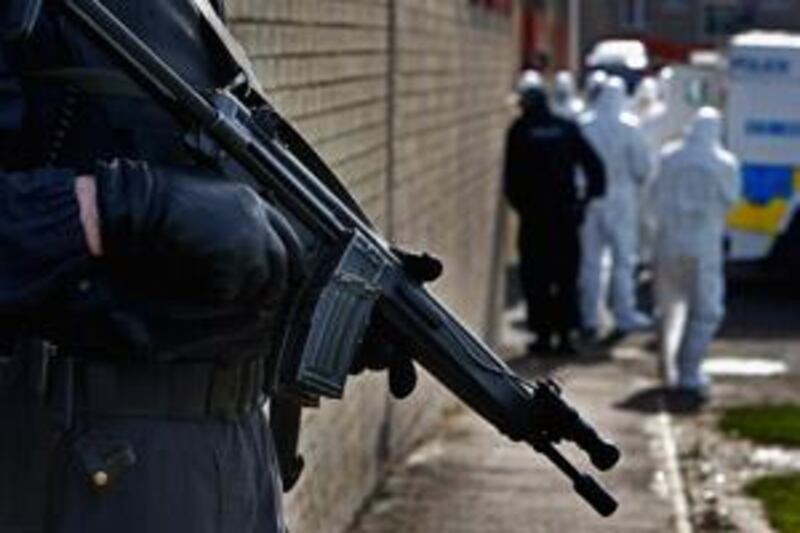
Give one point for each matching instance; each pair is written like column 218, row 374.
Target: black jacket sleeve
column 592, row 166
column 41, row 237
column 514, row 163
column 42, row 244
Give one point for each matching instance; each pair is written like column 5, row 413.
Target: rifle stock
column 355, row 276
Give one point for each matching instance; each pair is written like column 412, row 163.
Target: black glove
column 382, row 351
column 193, row 267
column 386, row 349
column 194, row 239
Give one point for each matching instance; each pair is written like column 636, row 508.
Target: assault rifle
column 354, row 276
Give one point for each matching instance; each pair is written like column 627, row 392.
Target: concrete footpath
column 469, row 479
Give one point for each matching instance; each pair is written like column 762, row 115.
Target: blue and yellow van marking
column 767, row 195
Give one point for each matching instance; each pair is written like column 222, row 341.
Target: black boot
column 565, row 345
column 540, row 347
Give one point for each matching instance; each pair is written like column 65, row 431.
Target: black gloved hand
column 382, row 350
column 423, row 268
column 386, row 349
column 194, row 239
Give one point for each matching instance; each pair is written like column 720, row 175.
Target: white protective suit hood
column 705, row 131
column 594, row 86
column 564, row 85
column 648, row 92
column 611, row 101
column 565, row 101
column 652, row 112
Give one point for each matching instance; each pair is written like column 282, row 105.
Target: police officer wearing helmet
column 140, row 292
column 543, row 152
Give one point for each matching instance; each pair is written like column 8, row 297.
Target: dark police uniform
column 130, row 386
column 542, row 155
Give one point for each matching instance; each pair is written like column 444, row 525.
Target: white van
column 763, row 128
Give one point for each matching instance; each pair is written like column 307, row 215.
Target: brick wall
column 406, row 100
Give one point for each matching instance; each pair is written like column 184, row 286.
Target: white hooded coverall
column 565, row 102
column 698, row 182
column 594, row 86
column 612, row 221
column 652, row 113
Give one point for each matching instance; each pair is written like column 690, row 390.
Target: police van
column 763, row 129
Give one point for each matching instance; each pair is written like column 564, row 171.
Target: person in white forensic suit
column 697, row 184
column 651, row 110
column 564, row 99
column 611, row 227
column 595, row 82
column 593, row 86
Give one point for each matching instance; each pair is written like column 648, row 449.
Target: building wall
column 598, row 19
column 679, row 22
column 763, row 14
column 784, row 14
column 545, row 34
column 407, row 101
column 684, row 21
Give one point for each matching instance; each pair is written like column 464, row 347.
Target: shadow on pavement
column 661, row 399
column 537, row 366
column 762, row 310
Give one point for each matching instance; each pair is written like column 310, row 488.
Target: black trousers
column 199, row 476
column 549, row 263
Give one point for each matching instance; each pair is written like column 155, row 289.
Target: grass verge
column 780, row 496
column 767, row 424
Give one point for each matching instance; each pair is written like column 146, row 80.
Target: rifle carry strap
column 228, row 42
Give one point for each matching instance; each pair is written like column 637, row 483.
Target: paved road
column 470, row 479
column 763, row 327
column 763, row 321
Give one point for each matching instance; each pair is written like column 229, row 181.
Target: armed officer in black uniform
column 139, row 293
column 543, row 153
